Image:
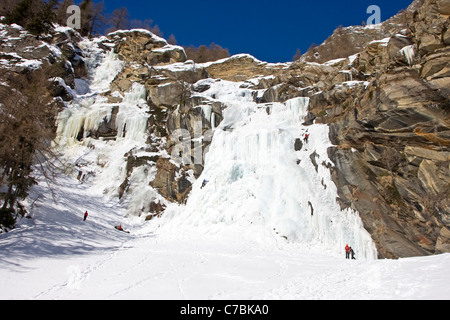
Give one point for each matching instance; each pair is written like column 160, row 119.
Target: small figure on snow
column 85, row 216
column 352, row 253
column 347, row 252
column 306, row 137
column 204, row 183
column 119, row 227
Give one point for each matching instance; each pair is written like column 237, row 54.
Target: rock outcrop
column 392, row 155
column 22, row 53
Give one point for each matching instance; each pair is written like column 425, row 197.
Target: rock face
column 241, row 67
column 143, row 47
column 384, row 95
column 392, row 161
column 21, row 52
column 392, row 135
column 175, row 113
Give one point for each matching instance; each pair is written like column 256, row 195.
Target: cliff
column 384, row 96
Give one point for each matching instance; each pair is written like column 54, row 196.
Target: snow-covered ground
column 57, row 255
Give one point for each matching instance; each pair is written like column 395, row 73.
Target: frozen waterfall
column 264, row 180
column 102, row 160
column 258, row 181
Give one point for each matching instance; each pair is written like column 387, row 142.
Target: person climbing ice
column 85, row 216
column 306, row 137
column 204, row 183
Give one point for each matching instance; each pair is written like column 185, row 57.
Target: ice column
column 257, row 179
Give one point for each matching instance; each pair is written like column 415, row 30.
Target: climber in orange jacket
column 347, row 252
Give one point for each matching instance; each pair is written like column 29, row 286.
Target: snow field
column 249, row 234
column 57, row 255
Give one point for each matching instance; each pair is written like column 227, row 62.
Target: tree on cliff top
column 206, row 54
column 119, row 20
column 36, row 16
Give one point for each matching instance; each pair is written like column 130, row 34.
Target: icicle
column 409, row 53
column 137, row 94
column 206, row 110
column 213, row 120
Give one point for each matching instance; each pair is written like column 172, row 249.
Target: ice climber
column 352, row 253
column 347, row 252
column 204, row 183
column 306, row 137
column 85, row 216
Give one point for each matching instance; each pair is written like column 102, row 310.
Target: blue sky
column 269, row 30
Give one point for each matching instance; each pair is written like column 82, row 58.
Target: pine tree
column 21, row 13
column 297, row 55
column 86, row 7
column 7, row 5
column 36, row 16
column 41, row 22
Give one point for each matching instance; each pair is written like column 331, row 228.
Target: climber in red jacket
column 347, row 252
column 306, row 138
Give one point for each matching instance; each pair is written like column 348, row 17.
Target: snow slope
column 57, row 255
column 266, row 226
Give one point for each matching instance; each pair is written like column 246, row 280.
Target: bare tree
column 297, row 55
column 120, row 19
column 98, row 19
column 172, row 40
column 61, row 12
column 27, row 126
column 205, row 54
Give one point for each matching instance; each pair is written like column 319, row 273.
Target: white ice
column 250, row 233
column 57, row 255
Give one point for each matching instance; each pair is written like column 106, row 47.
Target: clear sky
column 269, row 30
